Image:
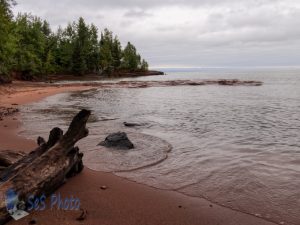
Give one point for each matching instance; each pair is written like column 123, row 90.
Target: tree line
column 29, row 48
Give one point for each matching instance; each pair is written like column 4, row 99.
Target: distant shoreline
column 91, row 77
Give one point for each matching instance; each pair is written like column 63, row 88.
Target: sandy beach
column 123, row 201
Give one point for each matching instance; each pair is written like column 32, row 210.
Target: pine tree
column 106, row 59
column 131, row 60
column 116, row 53
column 65, row 47
column 106, row 55
column 93, row 60
column 80, row 48
column 31, row 46
column 144, row 65
column 49, row 64
column 7, row 39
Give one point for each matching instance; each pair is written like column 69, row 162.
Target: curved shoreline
column 133, row 203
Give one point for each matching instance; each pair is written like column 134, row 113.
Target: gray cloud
column 134, row 13
column 191, row 32
column 143, row 4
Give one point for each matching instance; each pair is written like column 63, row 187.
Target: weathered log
column 54, row 136
column 49, row 170
column 8, row 157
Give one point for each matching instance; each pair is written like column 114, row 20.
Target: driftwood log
column 8, row 157
column 46, row 168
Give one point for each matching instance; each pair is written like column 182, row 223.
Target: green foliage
column 116, row 53
column 7, row 40
column 110, row 52
column 106, row 59
column 131, row 59
column 29, row 48
column 106, row 55
column 93, row 53
column 64, row 49
column 144, row 65
column 80, row 51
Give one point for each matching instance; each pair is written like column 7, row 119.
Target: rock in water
column 128, row 124
column 117, row 140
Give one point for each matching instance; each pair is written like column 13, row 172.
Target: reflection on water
column 237, row 146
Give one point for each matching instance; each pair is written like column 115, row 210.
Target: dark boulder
column 117, row 140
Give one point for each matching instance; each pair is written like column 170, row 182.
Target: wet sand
column 123, row 202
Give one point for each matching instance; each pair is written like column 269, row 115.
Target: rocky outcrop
column 153, row 72
column 117, row 140
column 136, row 73
column 168, row 83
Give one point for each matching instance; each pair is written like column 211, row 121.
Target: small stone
column 32, row 221
column 130, row 124
column 103, row 187
column 83, row 215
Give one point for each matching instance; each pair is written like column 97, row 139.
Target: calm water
column 236, row 146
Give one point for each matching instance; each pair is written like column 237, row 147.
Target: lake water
column 236, row 146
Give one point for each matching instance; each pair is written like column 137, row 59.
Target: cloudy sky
column 190, row 33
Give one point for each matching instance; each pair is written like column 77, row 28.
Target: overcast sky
column 190, row 33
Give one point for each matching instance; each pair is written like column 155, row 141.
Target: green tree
column 93, row 57
column 80, row 52
column 30, row 46
column 106, row 59
column 106, row 56
column 131, row 59
column 7, row 39
column 116, row 53
column 50, row 42
column 144, row 65
column 65, row 47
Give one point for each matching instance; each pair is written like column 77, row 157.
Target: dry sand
column 123, row 202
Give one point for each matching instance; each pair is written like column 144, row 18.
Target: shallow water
column 236, row 146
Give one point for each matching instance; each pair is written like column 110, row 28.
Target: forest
column 29, row 49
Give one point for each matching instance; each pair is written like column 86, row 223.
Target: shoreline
column 124, row 201
column 93, row 77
